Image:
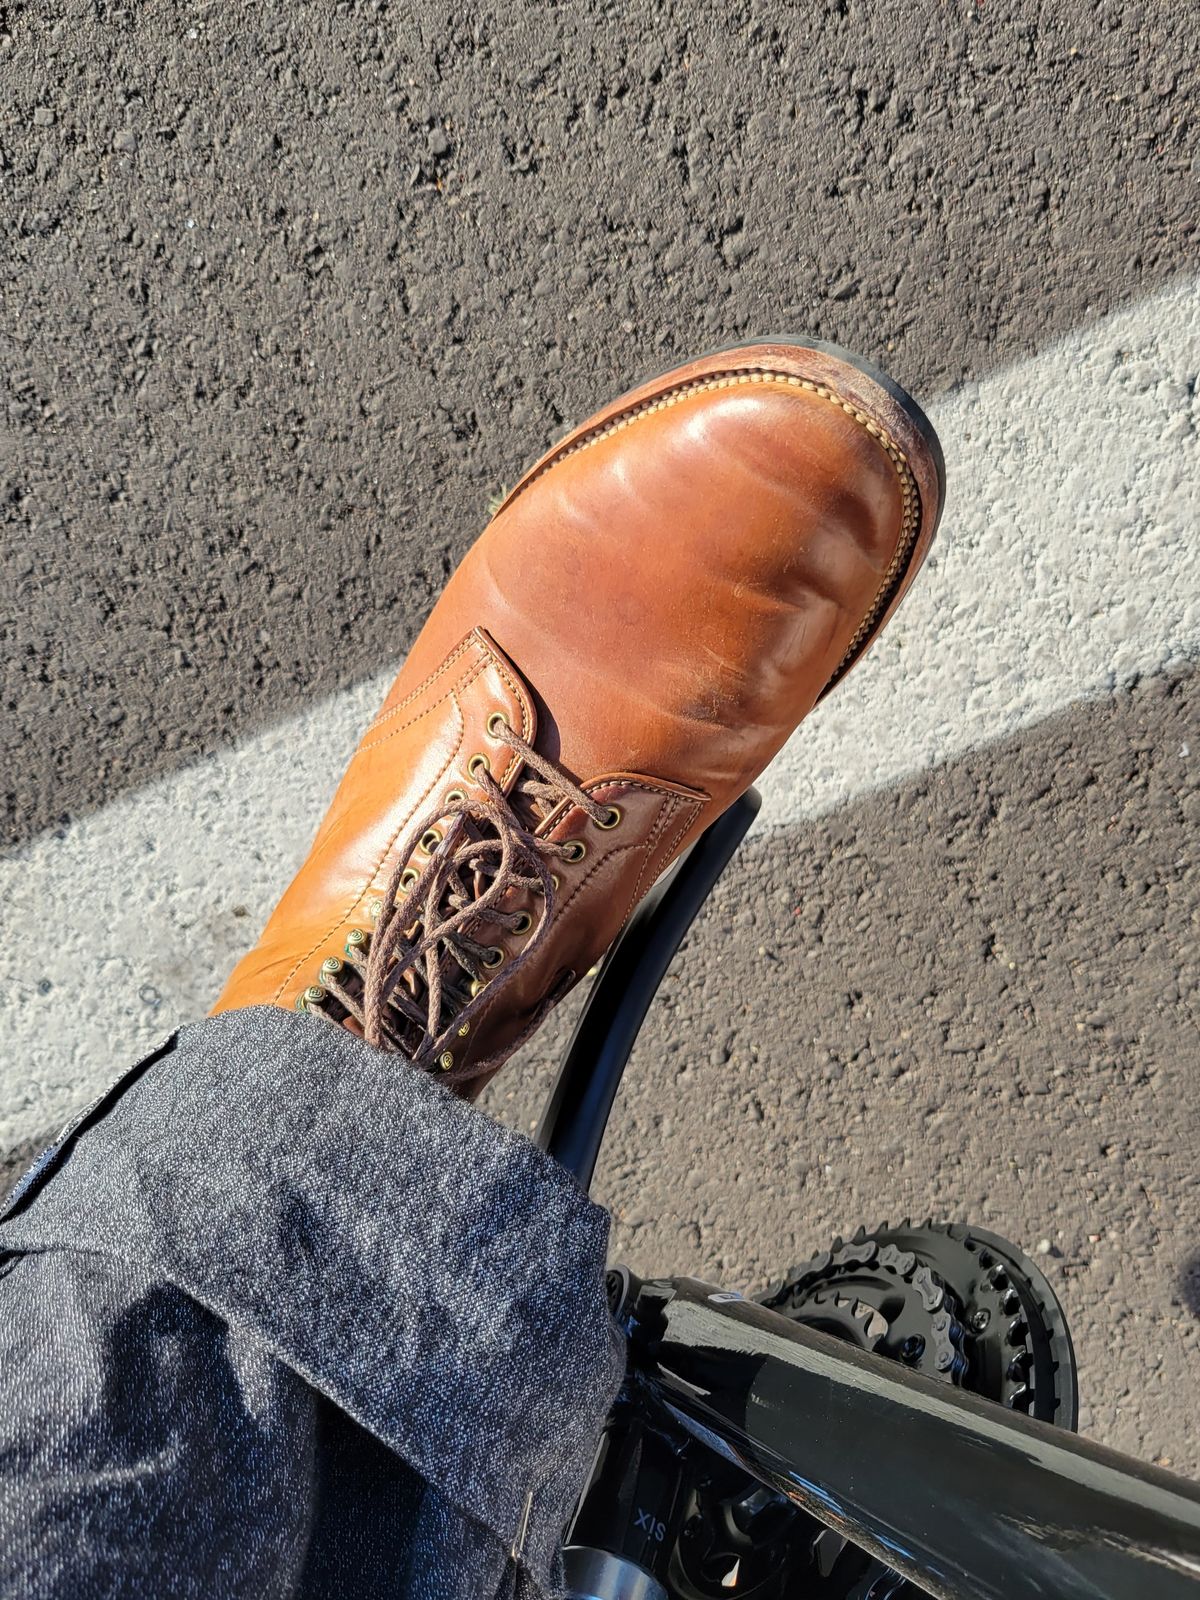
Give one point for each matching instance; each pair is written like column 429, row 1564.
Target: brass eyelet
column 493, row 956
column 612, row 818
column 523, row 923
column 455, row 797
column 331, row 964
column 464, row 1029
column 574, row 850
column 446, row 1060
column 478, row 764
column 497, row 724
column 477, row 986
column 375, row 910
column 408, row 877
column 313, row 995
column 430, row 839
column 355, row 940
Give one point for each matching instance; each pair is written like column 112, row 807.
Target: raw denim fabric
column 281, row 1317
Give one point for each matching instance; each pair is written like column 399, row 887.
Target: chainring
column 953, row 1302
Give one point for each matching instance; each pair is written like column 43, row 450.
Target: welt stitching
column 729, row 378
column 910, row 499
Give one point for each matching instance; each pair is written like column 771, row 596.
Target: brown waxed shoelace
column 404, row 1004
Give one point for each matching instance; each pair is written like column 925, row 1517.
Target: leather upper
column 656, row 606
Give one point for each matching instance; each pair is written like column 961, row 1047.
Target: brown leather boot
column 641, row 626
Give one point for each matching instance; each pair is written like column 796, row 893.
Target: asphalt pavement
column 284, row 301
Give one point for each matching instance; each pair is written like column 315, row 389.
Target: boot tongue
column 530, row 810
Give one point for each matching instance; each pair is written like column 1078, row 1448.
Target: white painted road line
column 1067, row 566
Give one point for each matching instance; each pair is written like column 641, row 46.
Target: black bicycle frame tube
column 969, row 1500
column 576, row 1114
